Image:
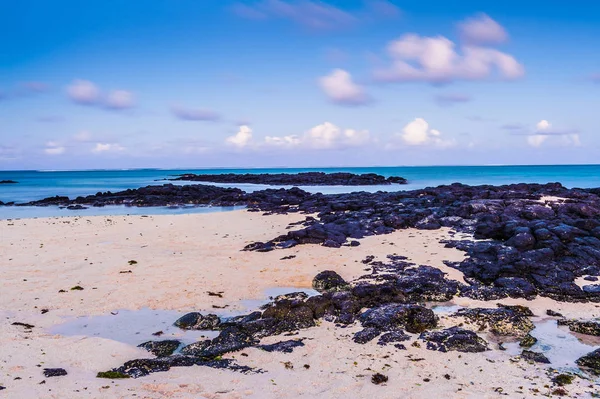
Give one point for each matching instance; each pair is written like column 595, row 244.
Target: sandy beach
column 178, row 260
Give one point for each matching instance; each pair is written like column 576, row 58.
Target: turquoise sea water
column 35, row 185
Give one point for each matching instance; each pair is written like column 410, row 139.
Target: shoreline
column 179, row 260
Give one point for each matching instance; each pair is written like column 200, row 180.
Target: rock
column 296, row 179
column 528, row 341
column 454, row 339
column 197, row 321
column 552, row 313
column 588, row 327
column 534, row 357
column 366, row 335
column 54, row 372
column 229, row 340
column 378, row 378
column 591, row 289
column 283, row 346
column 563, row 379
column 161, row 348
column 501, row 321
column 393, row 336
column 412, row 318
column 8, row 182
column 590, row 362
column 329, row 280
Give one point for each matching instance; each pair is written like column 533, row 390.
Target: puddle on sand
column 446, row 309
column 561, row 346
column 134, row 327
column 131, row 327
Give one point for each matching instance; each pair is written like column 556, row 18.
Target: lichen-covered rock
column 588, row 327
column 198, row 321
column 535, row 357
column 412, row 318
column 329, row 280
column 501, row 321
column 454, row 339
column 528, row 341
column 590, row 362
column 161, row 348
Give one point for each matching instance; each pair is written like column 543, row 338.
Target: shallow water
column 35, row 185
column 18, row 212
column 134, row 327
column 561, row 346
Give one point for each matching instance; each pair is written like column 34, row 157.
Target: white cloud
column 107, row 147
column 435, row 60
column 536, row 140
column 544, row 130
column 418, row 133
column 83, row 92
column 482, row 29
column 53, row 148
column 242, row 138
column 120, row 99
column 340, row 88
column 325, row 136
column 195, row 114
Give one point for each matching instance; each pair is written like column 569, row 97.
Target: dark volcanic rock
column 142, row 367
column 393, row 336
column 297, row 179
column 412, row 318
column 590, row 362
column 54, row 372
column 588, row 327
column 454, row 339
column 501, row 321
column 283, row 346
column 329, row 280
column 229, row 340
column 366, row 335
column 197, row 321
column 534, row 357
column 161, row 348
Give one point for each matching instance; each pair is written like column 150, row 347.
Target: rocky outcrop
column 454, row 339
column 296, row 179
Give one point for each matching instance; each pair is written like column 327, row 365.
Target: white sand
column 181, row 258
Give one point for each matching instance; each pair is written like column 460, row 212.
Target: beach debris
column 77, row 288
column 56, row 372
column 217, row 294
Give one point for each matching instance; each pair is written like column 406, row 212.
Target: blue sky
column 215, row 83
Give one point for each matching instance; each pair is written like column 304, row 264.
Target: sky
column 297, row 83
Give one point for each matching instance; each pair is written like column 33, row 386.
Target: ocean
column 34, row 185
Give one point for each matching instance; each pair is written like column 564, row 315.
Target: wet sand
column 178, row 261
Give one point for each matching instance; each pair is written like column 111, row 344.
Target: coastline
column 181, row 258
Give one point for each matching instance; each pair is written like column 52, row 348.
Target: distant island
column 8, row 182
column 296, row 179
